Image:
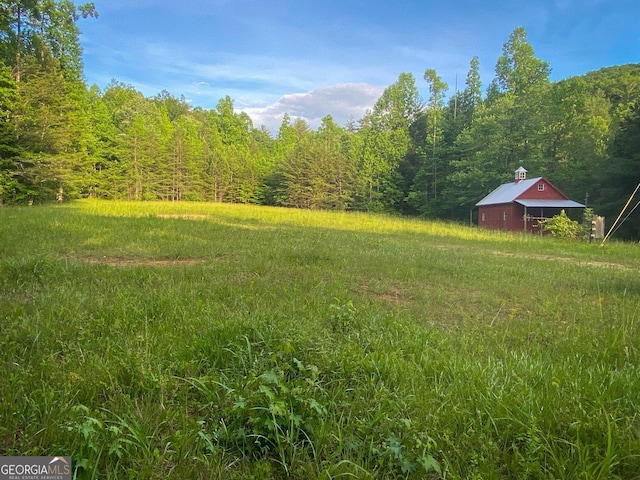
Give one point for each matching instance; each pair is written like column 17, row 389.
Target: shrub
column 561, row 226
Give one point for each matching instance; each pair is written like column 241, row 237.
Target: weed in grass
column 343, row 318
column 406, row 451
column 276, row 413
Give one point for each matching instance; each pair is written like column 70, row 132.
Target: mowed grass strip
column 175, row 340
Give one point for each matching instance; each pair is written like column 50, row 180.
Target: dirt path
column 140, row 262
column 542, row 256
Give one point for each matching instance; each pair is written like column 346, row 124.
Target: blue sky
column 313, row 58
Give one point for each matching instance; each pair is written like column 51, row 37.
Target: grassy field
column 157, row 340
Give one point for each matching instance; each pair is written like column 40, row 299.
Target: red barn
column 519, row 206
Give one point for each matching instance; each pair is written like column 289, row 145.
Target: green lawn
column 185, row 340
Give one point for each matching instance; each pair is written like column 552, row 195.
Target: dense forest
column 436, row 157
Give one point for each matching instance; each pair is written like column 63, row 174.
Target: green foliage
column 343, row 319
column 561, row 226
column 517, row 69
column 43, row 30
column 623, row 174
column 386, row 142
column 587, row 219
column 319, row 170
column 277, row 413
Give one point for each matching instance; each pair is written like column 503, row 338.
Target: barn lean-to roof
column 535, row 203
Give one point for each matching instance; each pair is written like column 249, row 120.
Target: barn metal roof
column 550, row 203
column 508, row 192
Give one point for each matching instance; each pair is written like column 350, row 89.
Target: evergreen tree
column 239, row 167
column 210, row 154
column 386, row 143
column 101, row 147
column 283, row 148
column 424, row 188
column 10, row 188
column 50, row 127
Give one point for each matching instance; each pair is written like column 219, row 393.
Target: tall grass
column 224, row 341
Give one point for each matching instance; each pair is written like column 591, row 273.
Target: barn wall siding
column 494, row 217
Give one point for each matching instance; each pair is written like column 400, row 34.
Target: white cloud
column 343, row 102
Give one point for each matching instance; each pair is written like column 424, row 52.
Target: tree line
column 433, row 157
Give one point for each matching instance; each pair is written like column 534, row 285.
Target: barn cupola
column 521, row 174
